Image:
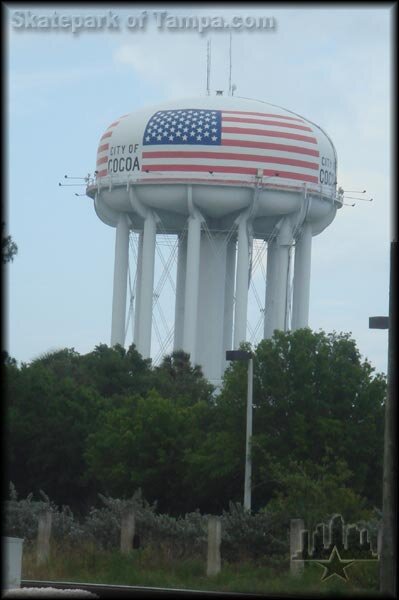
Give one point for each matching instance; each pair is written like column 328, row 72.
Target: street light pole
column 389, row 491
column 248, row 462
column 234, row 355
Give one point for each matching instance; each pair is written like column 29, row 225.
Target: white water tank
column 217, row 172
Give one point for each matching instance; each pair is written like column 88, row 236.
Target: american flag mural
column 235, row 143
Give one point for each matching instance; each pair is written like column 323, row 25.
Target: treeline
column 109, row 422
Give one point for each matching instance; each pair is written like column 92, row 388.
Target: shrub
column 22, row 517
column 254, row 536
column 262, row 537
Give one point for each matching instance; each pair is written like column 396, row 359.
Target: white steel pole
column 180, row 289
column 279, row 291
column 192, row 286
column 248, row 462
column 136, row 336
column 147, row 285
column 240, row 314
column 120, row 281
column 229, row 296
column 302, row 267
column 270, row 278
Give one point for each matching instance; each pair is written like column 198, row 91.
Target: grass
column 145, row 567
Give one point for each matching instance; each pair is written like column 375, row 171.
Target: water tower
column 218, row 172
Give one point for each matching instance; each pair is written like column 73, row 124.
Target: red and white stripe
column 103, row 149
column 249, row 141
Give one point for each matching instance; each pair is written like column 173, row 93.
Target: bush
column 262, row 537
column 254, row 536
column 314, row 492
column 166, row 535
column 22, row 517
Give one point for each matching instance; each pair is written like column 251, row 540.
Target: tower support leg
column 270, row 285
column 192, row 285
column 210, row 349
column 136, row 335
column 120, row 281
column 277, row 282
column 180, row 290
column 229, row 298
column 147, row 285
column 242, row 282
column 302, row 266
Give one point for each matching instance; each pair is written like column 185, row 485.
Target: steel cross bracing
column 132, row 288
column 166, row 338
column 164, row 334
column 259, row 252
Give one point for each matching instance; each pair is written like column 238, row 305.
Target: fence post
column 296, row 528
column 214, row 540
column 43, row 536
column 128, row 525
column 379, row 539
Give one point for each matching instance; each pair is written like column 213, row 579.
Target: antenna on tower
column 208, row 66
column 364, row 199
column 85, row 180
column 343, row 193
column 230, row 61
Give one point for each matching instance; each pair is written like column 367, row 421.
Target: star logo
column 337, row 550
column 335, row 565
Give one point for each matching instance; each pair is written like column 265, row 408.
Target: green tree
column 315, row 492
column 177, row 378
column 48, row 420
column 116, row 371
column 313, row 397
column 215, row 470
column 140, row 443
column 108, row 421
column 216, row 461
column 8, row 247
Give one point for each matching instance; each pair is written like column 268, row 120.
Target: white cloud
column 51, row 79
column 166, row 63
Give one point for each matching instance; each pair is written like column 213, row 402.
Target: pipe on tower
column 145, row 273
column 270, row 277
column 120, row 281
column 229, row 299
column 136, row 336
column 242, row 281
column 147, row 285
column 210, row 345
column 302, row 268
column 180, row 291
column 277, row 279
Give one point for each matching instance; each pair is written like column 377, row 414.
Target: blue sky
column 331, row 65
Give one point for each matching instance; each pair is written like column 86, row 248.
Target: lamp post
column 389, row 490
column 234, row 355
